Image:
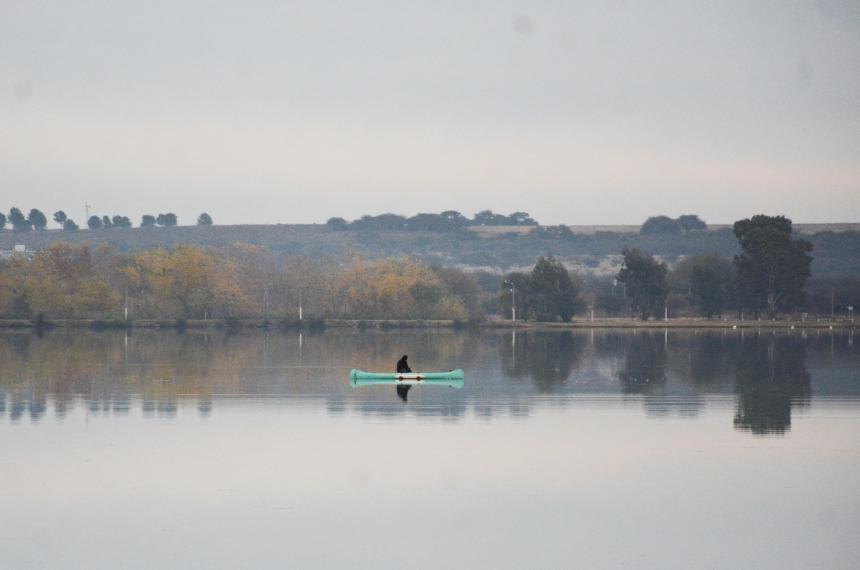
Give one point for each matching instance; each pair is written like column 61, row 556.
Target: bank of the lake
column 260, row 323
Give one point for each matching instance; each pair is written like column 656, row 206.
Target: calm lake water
column 595, row 449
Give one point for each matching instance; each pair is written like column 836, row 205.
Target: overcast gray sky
column 578, row 112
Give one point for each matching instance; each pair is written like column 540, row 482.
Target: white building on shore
column 17, row 251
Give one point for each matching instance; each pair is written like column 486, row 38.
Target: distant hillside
column 491, row 248
column 489, row 231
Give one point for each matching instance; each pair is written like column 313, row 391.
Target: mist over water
column 700, row 448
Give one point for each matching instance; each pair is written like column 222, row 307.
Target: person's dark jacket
column 402, row 365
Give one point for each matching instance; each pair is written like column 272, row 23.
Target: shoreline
column 392, row 324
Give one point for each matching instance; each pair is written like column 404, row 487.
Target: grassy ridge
column 836, row 253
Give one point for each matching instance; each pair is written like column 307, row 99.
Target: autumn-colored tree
column 259, row 276
column 62, row 282
column 462, row 287
column 9, row 288
column 202, row 287
column 308, row 284
column 394, row 289
column 68, row 281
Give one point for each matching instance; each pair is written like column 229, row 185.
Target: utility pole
column 832, row 302
column 87, row 207
column 510, row 285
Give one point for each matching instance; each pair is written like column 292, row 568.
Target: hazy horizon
column 191, row 218
column 593, row 113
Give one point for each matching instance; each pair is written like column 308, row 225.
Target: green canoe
column 453, row 378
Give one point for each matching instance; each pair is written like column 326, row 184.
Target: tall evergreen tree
column 521, row 219
column 19, row 222
column 485, row 218
column 645, row 280
column 37, row 219
column 690, row 222
column 121, row 221
column 552, row 293
column 712, row 282
column 772, row 268
column 337, row 224
column 166, row 220
column 657, row 225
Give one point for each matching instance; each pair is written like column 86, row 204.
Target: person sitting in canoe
column 402, row 365
column 403, row 389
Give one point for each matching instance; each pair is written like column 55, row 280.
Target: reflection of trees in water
column 838, row 354
column 165, row 407
column 644, row 363
column 711, row 358
column 771, row 376
column 108, row 370
column 35, row 367
column 110, row 373
column 546, row 357
column 697, row 363
column 655, row 366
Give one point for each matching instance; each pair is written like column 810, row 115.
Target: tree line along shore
column 769, row 280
